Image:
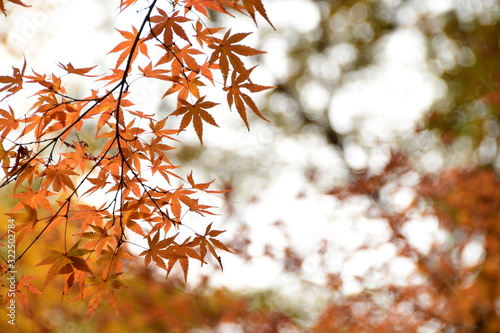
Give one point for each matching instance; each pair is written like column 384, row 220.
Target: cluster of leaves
column 43, row 156
column 153, row 305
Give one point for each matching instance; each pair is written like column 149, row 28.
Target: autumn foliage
column 446, row 290
column 381, row 231
column 56, row 175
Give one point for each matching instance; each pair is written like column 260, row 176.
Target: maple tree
column 442, row 280
column 142, row 191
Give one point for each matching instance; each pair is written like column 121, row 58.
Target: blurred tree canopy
column 430, row 182
column 433, row 183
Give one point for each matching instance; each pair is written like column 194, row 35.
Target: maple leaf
column 59, row 177
column 185, row 85
column 6, row 156
column 180, row 253
column 17, row 2
column 219, row 244
column 65, row 263
column 78, row 71
column 160, row 131
column 131, row 43
column 207, row 242
column 183, row 59
column 98, row 182
column 131, row 133
column 105, row 109
column 129, row 214
column 50, row 83
column 206, row 71
column 25, row 172
column 239, row 99
column 199, row 186
column 12, row 83
column 162, row 222
column 25, row 283
column 156, row 148
column 88, row 216
column 159, row 74
column 158, row 165
column 111, row 259
column 117, row 75
column 226, row 51
column 168, row 25
column 202, row 186
column 204, row 34
column 99, row 238
column 25, row 222
column 124, row 4
column 8, row 122
column 100, row 289
column 213, row 233
column 35, row 199
column 79, row 157
column 253, row 6
column 156, row 248
column 201, row 6
column 195, row 113
column 175, row 199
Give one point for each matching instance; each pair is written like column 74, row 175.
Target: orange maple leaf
column 183, row 59
column 131, row 43
column 26, row 222
column 180, row 253
column 12, row 83
column 201, row 6
column 227, row 52
column 111, row 259
column 175, row 199
column 8, row 122
column 195, row 113
column 34, row 199
column 158, row 165
column 117, row 75
column 159, row 74
column 129, row 215
column 185, row 85
column 99, row 238
column 207, row 242
column 17, row 2
column 78, row 71
column 100, row 289
column 6, row 156
column 160, row 131
column 25, row 283
column 65, row 263
column 156, row 247
column 199, row 186
column 79, row 157
column 168, row 25
column 239, row 99
column 124, row 4
column 59, row 177
column 252, row 6
column 204, row 34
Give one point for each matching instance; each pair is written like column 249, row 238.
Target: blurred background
column 369, row 203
